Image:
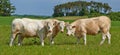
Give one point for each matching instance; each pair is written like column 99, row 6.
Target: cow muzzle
column 62, row 31
column 67, row 34
column 49, row 31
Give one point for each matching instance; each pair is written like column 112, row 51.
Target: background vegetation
column 81, row 8
column 84, row 8
column 6, row 8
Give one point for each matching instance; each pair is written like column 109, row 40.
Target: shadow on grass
column 68, row 43
column 46, row 44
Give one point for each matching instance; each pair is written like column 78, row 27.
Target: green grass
column 64, row 45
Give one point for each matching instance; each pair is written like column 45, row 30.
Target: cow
column 31, row 28
column 91, row 26
column 58, row 28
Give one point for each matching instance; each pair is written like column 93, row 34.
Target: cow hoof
column 42, row 44
column 52, row 42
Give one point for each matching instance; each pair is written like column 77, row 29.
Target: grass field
column 64, row 45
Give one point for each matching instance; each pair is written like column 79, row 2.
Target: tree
column 81, row 8
column 6, row 8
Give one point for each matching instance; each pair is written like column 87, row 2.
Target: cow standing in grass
column 90, row 26
column 59, row 27
column 31, row 28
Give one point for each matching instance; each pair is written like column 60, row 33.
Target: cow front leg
column 42, row 40
column 41, row 36
column 78, row 40
column 20, row 39
column 51, row 40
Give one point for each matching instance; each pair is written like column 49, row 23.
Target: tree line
column 6, row 8
column 81, row 8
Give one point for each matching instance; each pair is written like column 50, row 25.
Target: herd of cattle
column 26, row 27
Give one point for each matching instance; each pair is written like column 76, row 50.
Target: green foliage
column 81, row 8
column 58, row 14
column 31, row 16
column 115, row 16
column 6, row 8
column 94, row 15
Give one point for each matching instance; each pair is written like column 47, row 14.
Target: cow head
column 50, row 25
column 70, row 29
column 62, row 26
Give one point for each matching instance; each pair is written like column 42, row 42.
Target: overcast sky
column 45, row 7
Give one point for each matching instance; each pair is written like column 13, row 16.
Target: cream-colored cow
column 31, row 28
column 90, row 26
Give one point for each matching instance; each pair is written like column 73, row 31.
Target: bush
column 114, row 16
column 94, row 15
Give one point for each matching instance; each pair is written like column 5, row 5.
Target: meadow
column 64, row 45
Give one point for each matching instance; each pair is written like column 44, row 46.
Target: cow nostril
column 61, row 31
column 67, row 35
column 49, row 31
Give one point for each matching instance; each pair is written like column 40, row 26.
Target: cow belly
column 30, row 33
column 92, row 31
column 30, row 30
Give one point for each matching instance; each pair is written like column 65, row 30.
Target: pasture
column 64, row 45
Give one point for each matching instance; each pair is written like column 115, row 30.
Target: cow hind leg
column 109, row 37
column 103, row 38
column 105, row 34
column 12, row 38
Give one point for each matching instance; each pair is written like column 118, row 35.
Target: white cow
column 91, row 26
column 58, row 27
column 31, row 28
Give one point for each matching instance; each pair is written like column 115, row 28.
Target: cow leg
column 42, row 40
column 13, row 36
column 52, row 39
column 41, row 36
column 109, row 37
column 78, row 40
column 84, row 38
column 103, row 38
column 20, row 39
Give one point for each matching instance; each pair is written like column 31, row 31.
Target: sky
column 46, row 7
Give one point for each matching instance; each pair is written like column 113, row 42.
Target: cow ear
column 59, row 22
column 46, row 22
column 73, row 26
column 55, row 23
